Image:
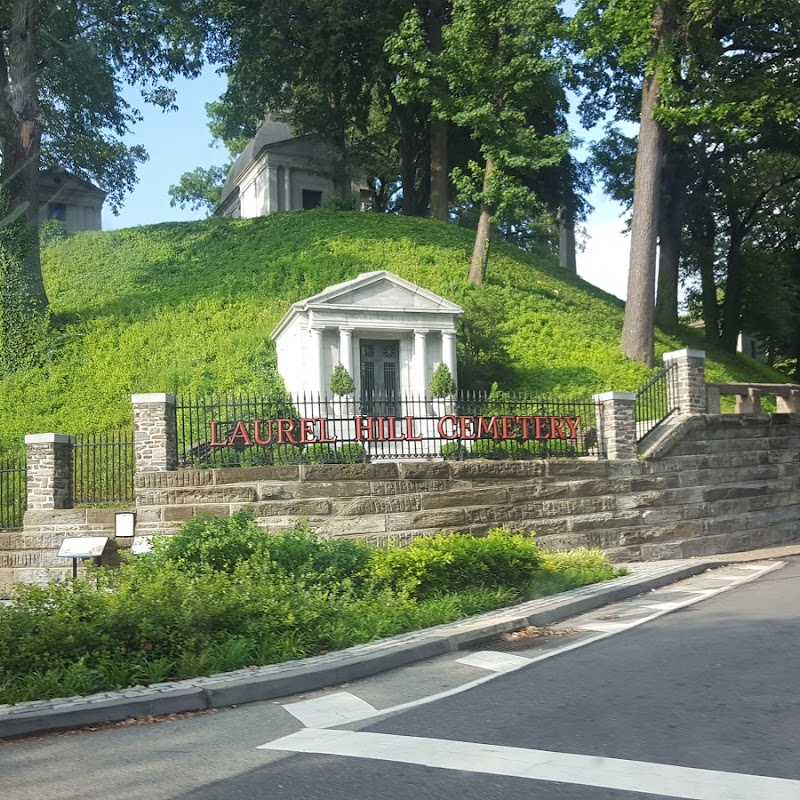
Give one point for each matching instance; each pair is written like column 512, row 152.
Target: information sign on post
column 80, row 547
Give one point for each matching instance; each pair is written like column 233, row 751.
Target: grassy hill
column 189, row 307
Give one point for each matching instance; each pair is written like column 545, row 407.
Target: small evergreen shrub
column 442, row 383
column 341, row 381
column 347, row 453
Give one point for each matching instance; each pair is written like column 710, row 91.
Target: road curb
column 308, row 674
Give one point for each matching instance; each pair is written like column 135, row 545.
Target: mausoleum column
column 287, row 188
column 449, row 351
column 346, row 349
column 317, row 379
column 419, row 386
column 272, row 190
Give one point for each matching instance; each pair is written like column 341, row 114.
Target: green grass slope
column 188, row 307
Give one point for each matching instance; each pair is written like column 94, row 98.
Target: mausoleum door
column 380, row 377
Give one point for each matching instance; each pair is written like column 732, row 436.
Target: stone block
column 104, row 516
column 731, row 492
column 145, row 514
column 606, row 521
column 661, row 516
column 349, row 472
column 229, row 475
column 424, row 470
column 626, row 502
column 494, row 470
column 290, row 490
column 55, row 516
column 542, row 489
column 588, row 488
column 219, row 510
column 476, row 497
column 661, row 551
column 677, row 497
column 559, row 542
column 351, row 526
column 386, row 488
column 178, row 513
column 376, row 505
column 688, row 529
column 293, row 508
column 443, row 520
column 494, row 516
column 577, row 467
column 722, row 543
column 212, row 494
column 652, row 483
column 624, row 554
column 576, row 506
column 541, row 527
column 16, row 559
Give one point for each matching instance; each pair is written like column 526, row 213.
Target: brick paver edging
column 307, row 674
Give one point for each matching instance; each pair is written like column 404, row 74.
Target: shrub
column 456, row 562
column 341, row 381
column 347, row 453
column 442, row 383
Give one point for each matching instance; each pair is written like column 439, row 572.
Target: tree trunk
column 673, row 198
column 566, row 241
column 440, row 183
column 638, row 327
column 734, row 285
column 480, row 253
column 412, row 153
column 704, row 237
column 21, row 122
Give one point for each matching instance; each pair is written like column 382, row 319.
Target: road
column 700, row 702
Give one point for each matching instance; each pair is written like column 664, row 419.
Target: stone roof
column 272, row 131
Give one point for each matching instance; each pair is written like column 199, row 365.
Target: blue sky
column 179, row 141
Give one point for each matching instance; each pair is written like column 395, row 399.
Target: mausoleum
column 388, row 333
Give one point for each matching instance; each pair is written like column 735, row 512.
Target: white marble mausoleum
column 388, row 333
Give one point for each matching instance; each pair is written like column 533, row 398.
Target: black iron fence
column 656, row 400
column 102, row 468
column 13, row 491
column 250, row 430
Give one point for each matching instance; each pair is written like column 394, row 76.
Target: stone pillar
column 287, row 188
column 49, row 467
column 686, row 389
column 617, row 424
column 449, row 352
column 155, row 432
column 346, row 349
column 317, row 379
column 419, row 383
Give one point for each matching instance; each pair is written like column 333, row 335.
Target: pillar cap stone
column 686, row 353
column 154, row 397
column 48, row 438
column 602, row 398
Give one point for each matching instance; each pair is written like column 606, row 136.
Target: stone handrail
column 748, row 396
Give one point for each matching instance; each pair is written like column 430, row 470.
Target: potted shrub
column 442, row 388
column 342, row 387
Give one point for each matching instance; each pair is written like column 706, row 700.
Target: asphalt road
column 699, row 703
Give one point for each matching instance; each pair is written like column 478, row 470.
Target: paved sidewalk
column 280, row 680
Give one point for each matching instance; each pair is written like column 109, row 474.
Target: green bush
column 347, row 453
column 342, row 381
column 442, row 383
column 490, row 449
column 454, row 562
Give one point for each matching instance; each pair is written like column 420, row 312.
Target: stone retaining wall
column 719, row 483
column 726, row 483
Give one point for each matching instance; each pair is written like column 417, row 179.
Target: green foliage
column 186, row 307
column 347, row 453
column 453, row 562
column 199, row 189
column 52, row 231
column 24, row 321
column 496, row 451
column 563, row 571
column 341, row 381
column 442, row 383
column 221, row 595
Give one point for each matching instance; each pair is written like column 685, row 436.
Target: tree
column 199, row 189
column 61, row 70
column 501, row 70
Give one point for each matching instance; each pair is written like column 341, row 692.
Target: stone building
column 69, row 199
column 387, row 332
column 281, row 171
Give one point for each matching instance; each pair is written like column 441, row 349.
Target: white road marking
column 763, row 569
column 611, row 627
column 330, row 709
column 491, row 659
column 597, row 771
